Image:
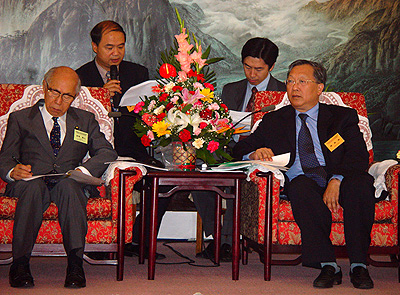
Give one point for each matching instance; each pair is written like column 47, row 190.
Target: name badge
column 334, row 142
column 81, row 136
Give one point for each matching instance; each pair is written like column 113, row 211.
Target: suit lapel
column 39, row 129
column 325, row 119
column 239, row 99
column 290, row 129
column 71, row 125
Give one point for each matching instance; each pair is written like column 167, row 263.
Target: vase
column 183, row 155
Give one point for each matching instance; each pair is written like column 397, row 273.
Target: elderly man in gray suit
column 51, row 137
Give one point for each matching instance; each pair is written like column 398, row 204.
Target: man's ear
column 271, row 68
column 94, row 47
column 321, row 87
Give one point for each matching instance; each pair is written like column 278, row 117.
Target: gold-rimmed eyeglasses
column 301, row 82
column 54, row 93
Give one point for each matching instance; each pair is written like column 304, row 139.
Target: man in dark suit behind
column 258, row 58
column 108, row 42
column 43, row 138
column 320, row 178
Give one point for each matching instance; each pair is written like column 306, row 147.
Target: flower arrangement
column 184, row 107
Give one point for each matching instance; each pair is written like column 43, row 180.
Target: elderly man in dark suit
column 321, row 177
column 44, row 139
column 258, row 58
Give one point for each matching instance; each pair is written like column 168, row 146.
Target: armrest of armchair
column 392, row 185
column 116, row 197
column 253, row 208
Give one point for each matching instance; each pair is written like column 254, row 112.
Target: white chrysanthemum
column 169, row 86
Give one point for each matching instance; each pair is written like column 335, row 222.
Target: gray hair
column 50, row 73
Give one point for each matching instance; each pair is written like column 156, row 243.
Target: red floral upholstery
column 102, row 212
column 284, row 229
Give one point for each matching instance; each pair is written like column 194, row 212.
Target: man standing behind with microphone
column 109, row 70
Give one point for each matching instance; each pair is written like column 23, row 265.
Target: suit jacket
column 233, row 93
column 26, row 138
column 277, row 131
column 127, row 143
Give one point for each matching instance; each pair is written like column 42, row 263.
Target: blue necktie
column 308, row 159
column 55, row 137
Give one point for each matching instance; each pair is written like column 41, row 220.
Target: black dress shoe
column 360, row 278
column 20, row 276
column 133, row 250
column 327, row 278
column 208, row 252
column 75, row 277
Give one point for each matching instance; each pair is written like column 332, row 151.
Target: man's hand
column 21, row 171
column 264, row 154
column 113, row 86
column 331, row 195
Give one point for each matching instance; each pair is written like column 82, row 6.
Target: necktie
column 308, row 159
column 250, row 104
column 55, row 137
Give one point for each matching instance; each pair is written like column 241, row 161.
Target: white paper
column 236, row 116
column 132, row 96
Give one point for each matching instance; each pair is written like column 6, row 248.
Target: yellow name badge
column 81, row 136
column 334, row 142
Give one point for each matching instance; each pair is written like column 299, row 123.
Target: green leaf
column 186, row 108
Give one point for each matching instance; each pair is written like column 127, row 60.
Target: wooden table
column 191, row 181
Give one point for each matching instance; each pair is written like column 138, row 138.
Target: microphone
column 114, row 76
column 264, row 110
column 119, row 114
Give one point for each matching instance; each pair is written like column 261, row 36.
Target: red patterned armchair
column 110, row 217
column 275, row 231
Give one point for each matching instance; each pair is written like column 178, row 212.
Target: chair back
column 346, row 99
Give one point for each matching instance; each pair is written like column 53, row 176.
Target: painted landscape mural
column 357, row 40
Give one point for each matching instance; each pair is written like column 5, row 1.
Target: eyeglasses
column 54, row 93
column 291, row 82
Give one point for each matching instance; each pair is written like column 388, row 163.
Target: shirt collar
column 312, row 113
column 262, row 86
column 48, row 117
column 102, row 71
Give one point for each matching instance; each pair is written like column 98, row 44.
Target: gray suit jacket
column 233, row 93
column 26, row 138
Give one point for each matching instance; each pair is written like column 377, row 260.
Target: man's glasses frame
column 301, row 82
column 54, row 93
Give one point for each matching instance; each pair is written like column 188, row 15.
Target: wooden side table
column 191, row 181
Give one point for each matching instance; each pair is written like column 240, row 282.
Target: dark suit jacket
column 233, row 93
column 127, row 143
column 277, row 131
column 26, row 138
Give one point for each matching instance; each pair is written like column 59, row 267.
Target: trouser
column 33, row 199
column 205, row 205
column 315, row 219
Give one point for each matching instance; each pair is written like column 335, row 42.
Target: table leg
column 268, row 231
column 217, row 228
column 236, row 232
column 153, row 229
column 142, row 241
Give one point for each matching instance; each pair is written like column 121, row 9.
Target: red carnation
column 206, row 114
column 145, row 140
column 203, row 125
column 169, row 106
column 224, row 107
column 209, row 85
column 184, row 135
column 177, row 88
column 161, row 116
column 163, row 97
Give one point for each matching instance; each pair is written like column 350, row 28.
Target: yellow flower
column 161, row 128
column 398, row 155
column 208, row 94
